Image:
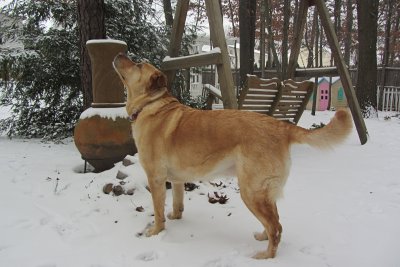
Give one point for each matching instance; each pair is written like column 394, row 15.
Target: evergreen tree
column 43, row 80
column 43, row 86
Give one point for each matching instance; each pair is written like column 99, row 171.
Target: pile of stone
column 118, row 189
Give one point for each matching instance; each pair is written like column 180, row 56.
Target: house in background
column 302, row 60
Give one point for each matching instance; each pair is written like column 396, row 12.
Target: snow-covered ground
column 341, row 208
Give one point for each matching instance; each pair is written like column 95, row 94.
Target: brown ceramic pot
column 103, row 132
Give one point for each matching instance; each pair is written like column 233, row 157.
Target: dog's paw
column 261, row 236
column 153, row 230
column 174, row 216
column 262, row 255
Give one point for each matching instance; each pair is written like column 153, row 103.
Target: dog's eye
column 139, row 65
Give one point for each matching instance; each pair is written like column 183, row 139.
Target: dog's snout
column 118, row 57
column 122, row 61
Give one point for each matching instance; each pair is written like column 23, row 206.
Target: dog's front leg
column 177, row 194
column 157, row 188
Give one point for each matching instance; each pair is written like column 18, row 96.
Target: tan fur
column 181, row 144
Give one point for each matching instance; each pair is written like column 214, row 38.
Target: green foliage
column 41, row 83
column 199, row 102
column 179, row 85
column 134, row 22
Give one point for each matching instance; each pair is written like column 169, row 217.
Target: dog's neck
column 142, row 101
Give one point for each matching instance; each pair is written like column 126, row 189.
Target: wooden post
column 262, row 38
column 343, row 71
column 224, row 70
column 315, row 95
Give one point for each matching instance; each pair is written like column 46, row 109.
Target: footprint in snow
column 150, row 255
column 23, row 224
column 317, row 251
column 3, row 248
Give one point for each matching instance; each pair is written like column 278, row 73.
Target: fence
column 388, row 98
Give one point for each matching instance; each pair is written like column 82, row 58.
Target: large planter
column 103, row 132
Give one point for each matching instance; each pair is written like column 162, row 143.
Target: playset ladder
column 218, row 56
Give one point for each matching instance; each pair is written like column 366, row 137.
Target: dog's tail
column 335, row 132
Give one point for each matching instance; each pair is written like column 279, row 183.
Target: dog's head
column 139, row 78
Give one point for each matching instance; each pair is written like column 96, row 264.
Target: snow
column 4, row 112
column 208, row 49
column 110, row 113
column 215, row 50
column 341, row 208
column 105, row 41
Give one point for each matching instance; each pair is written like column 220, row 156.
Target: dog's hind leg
column 177, row 201
column 264, row 235
column 273, row 228
column 158, row 192
column 265, row 211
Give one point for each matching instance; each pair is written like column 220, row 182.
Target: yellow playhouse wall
column 338, row 100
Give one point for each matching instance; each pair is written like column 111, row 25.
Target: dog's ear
column 157, row 80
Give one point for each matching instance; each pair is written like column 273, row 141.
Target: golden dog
column 181, row 144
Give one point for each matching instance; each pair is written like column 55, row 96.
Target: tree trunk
column 387, row 43
column 321, row 37
column 237, row 78
column 317, row 34
column 91, row 26
column 394, row 36
column 367, row 14
column 169, row 20
column 247, row 14
column 295, row 12
column 285, row 39
column 348, row 34
column 316, row 55
column 311, row 41
column 271, row 43
column 337, row 13
column 336, row 23
column 263, row 14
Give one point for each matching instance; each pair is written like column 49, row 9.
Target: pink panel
column 323, row 96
